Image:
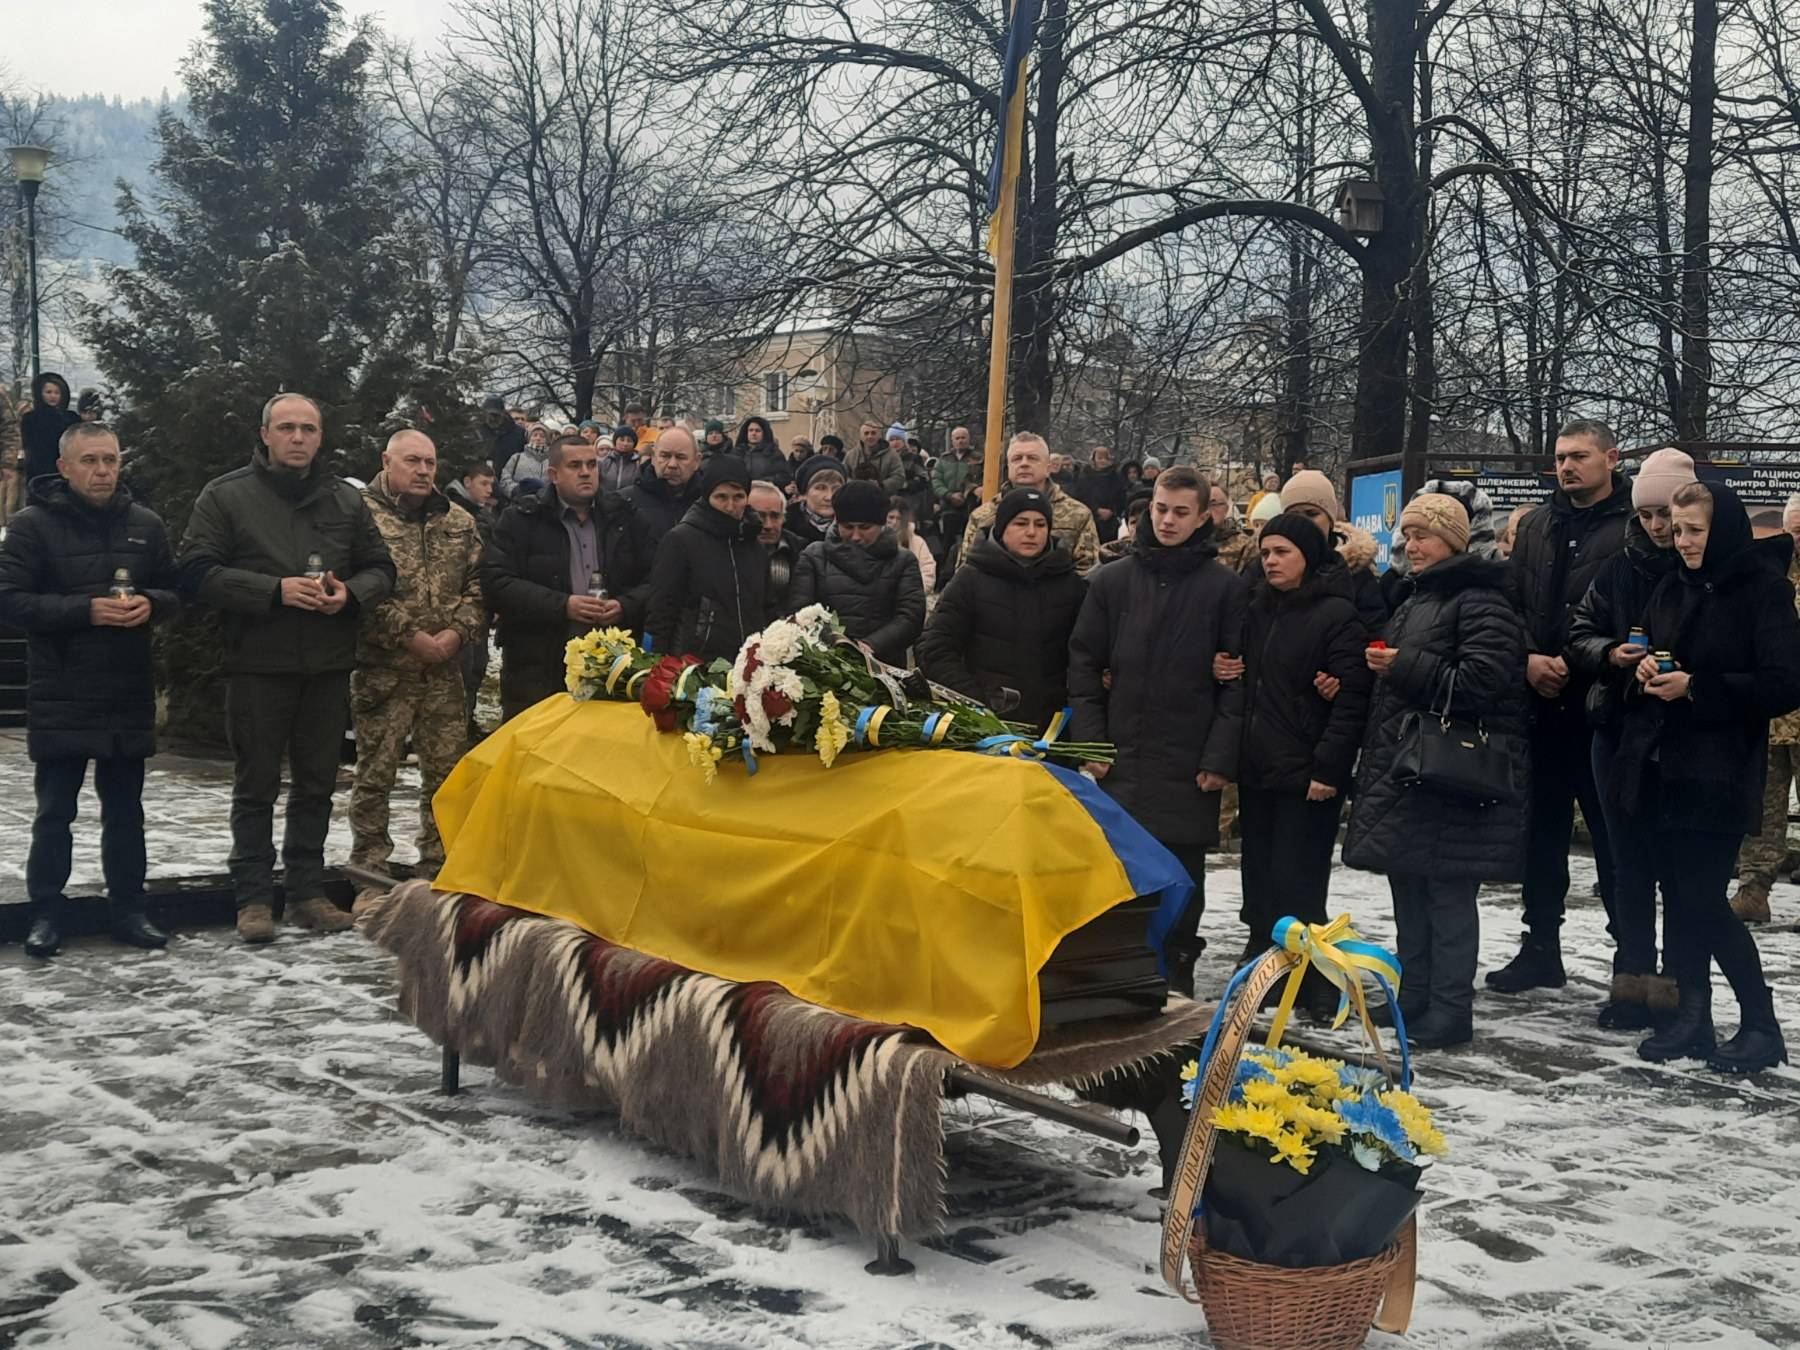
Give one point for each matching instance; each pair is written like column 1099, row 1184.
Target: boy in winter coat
column 1138, row 658
column 1000, row 632
column 1455, row 640
column 860, row 573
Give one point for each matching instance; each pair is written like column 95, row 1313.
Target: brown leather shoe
column 1751, row 903
column 319, row 915
column 256, row 923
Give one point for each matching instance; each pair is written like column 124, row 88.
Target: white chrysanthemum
column 779, row 643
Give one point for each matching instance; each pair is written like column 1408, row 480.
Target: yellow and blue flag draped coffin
column 924, row 887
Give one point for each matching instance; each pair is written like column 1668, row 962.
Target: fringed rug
column 796, row 1107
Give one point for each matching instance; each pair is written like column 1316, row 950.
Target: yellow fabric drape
column 915, row 886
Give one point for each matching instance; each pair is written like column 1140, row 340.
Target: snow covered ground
column 218, row 1146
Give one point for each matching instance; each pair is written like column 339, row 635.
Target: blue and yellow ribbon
column 1338, row 952
column 868, row 725
column 1023, row 747
column 619, row 667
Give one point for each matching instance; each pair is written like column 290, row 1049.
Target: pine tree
column 278, row 260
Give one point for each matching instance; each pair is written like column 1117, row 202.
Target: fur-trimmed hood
column 1356, row 546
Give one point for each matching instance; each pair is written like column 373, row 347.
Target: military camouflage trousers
column 389, row 707
column 1762, row 854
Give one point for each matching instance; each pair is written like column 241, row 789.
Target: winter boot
column 255, row 923
column 1690, row 1034
column 1661, row 994
column 45, row 936
column 1757, row 1045
column 132, row 927
column 1628, row 1006
column 1537, row 966
column 1439, row 1029
column 1750, row 902
column 318, row 914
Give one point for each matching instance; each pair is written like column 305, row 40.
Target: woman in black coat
column 1613, row 607
column 41, row 429
column 1299, row 746
column 1000, row 632
column 1455, row 621
column 1692, row 754
column 709, row 585
column 860, row 573
column 1140, row 663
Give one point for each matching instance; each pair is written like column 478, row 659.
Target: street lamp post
column 29, row 163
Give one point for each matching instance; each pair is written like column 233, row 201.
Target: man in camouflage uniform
column 408, row 680
column 1762, row 855
column 1028, row 465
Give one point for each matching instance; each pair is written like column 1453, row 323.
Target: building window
column 775, row 391
column 721, row 400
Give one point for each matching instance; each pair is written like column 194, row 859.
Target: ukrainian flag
column 1009, row 147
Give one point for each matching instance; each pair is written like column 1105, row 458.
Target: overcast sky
column 133, row 47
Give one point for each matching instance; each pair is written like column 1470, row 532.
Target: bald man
column 408, row 681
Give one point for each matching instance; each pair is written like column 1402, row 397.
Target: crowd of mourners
column 1625, row 647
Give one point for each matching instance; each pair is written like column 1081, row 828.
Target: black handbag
column 1456, row 756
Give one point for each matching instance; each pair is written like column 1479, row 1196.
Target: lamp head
column 29, row 162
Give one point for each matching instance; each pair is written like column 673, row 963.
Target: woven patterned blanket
column 796, row 1107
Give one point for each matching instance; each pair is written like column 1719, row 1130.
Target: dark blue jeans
column 120, row 784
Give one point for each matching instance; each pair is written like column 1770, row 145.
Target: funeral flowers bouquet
column 1317, row 1161
column 800, row 683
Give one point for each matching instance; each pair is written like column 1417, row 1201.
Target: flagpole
column 1002, row 239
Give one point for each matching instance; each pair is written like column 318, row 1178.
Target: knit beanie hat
column 493, row 403
column 1660, row 476
column 860, row 502
column 896, row 430
column 817, row 464
column 624, row 433
column 723, row 469
column 1267, row 507
column 712, row 426
column 1303, row 533
column 1152, row 462
column 1309, row 487
column 835, row 442
column 1439, row 514
column 1017, row 501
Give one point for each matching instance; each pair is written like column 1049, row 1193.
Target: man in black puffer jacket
column 710, row 585
column 85, row 571
column 1455, row 634
column 1000, row 632
column 860, row 573
column 1559, row 550
column 536, row 573
column 1140, row 661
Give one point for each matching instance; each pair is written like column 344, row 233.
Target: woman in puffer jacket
column 860, row 573
column 1455, row 636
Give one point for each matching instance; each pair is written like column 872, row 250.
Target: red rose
column 658, row 696
column 776, row 704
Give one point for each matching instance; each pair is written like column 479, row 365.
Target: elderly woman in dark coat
column 1692, row 753
column 1455, row 632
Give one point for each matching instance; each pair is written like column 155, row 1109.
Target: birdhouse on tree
column 1359, row 206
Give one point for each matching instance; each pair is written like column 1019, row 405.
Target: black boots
column 1757, row 1045
column 1537, row 966
column 45, row 936
column 131, row 926
column 1690, row 1034
column 1439, row 1029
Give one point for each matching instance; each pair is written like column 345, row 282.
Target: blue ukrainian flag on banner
column 1009, row 146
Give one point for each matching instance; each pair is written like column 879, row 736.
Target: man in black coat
column 1140, row 664
column 43, row 426
column 289, row 555
column 781, row 544
column 1101, row 488
column 1560, row 548
column 537, row 573
column 501, row 437
column 708, row 591
column 85, row 571
column 668, row 482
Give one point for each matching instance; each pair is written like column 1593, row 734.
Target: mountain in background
column 101, row 141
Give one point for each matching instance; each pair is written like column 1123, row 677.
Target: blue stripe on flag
column 1149, row 867
column 1021, row 32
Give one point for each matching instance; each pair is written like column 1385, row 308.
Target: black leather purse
column 1455, row 756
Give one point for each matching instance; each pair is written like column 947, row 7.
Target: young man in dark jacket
column 1140, row 663
column 85, row 571
column 1559, row 550
column 1601, row 651
column 709, row 589
column 43, row 426
column 1000, row 632
column 860, row 573
column 289, row 555
column 537, row 573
